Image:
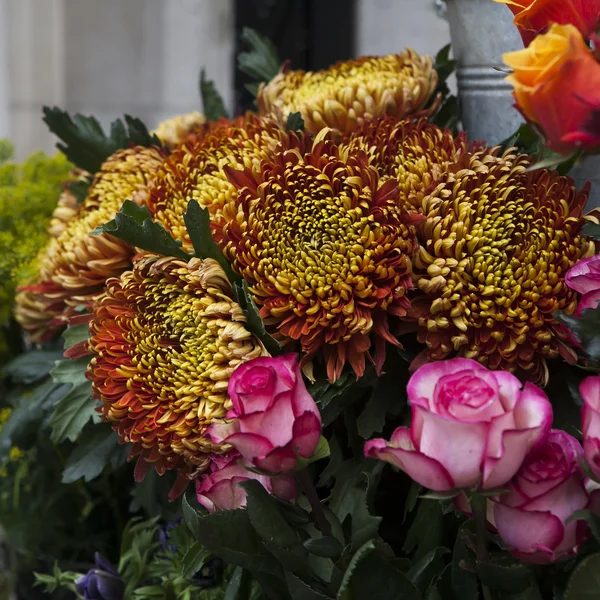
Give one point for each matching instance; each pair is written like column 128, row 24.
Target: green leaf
column 197, row 221
column 464, row 583
column 504, row 573
column 212, row 102
column 80, row 188
column 375, row 577
column 321, row 451
column 133, row 224
column 261, row 61
column 556, row 161
column 265, row 516
column 590, row 518
column 254, row 322
column 84, row 142
column 423, row 571
column 300, row 590
column 295, row 122
column 584, row 583
column 426, row 531
column 592, row 230
column 31, row 366
column 238, row 585
column 99, row 448
column 229, row 534
column 70, row 371
column 194, row 559
column 326, row 547
column 76, row 334
column 444, row 67
column 526, row 139
column 343, row 393
column 449, row 114
column 387, row 398
column 586, row 328
column 359, row 555
column 72, row 412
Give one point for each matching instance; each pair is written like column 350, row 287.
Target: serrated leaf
column 325, row 547
column 300, row 590
column 72, row 412
column 359, row 555
column 584, row 583
column 429, row 566
column 197, row 222
column 98, row 449
column 464, row 583
column 70, row 371
column 84, row 142
column 212, row 102
column 238, row 584
column 133, row 224
column 31, row 366
column 261, row 61
column 195, row 558
column 294, row 122
column 504, row 573
column 75, row 334
column 254, row 322
column 426, row 531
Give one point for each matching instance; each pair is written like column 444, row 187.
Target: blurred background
column 142, row 57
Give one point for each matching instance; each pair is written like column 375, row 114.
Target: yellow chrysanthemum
column 347, row 93
column 166, row 337
column 496, row 245
column 74, row 266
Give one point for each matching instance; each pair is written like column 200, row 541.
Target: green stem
column 479, row 508
column 308, row 487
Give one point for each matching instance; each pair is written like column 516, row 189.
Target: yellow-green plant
column 29, row 192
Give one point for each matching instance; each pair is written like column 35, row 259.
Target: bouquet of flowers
column 360, row 349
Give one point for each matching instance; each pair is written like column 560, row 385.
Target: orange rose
column 557, row 85
column 536, row 16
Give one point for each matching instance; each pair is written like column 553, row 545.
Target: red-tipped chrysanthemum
column 326, row 250
column 166, row 337
column 496, row 245
column 415, row 153
column 75, row 265
column 195, row 171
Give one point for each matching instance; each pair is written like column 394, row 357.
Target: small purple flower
column 164, row 537
column 101, row 583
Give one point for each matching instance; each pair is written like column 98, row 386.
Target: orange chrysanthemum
column 74, row 266
column 195, row 171
column 415, row 153
column 326, row 251
column 347, row 93
column 496, row 245
column 166, row 337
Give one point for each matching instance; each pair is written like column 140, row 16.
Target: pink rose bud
column 547, row 490
column 274, row 419
column 471, row 427
column 590, row 416
column 584, row 278
column 219, row 490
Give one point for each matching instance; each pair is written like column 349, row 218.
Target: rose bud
column 590, row 416
column 556, row 81
column 101, row 583
column 549, row 487
column 535, row 16
column 471, row 427
column 584, row 278
column 274, row 419
column 219, row 490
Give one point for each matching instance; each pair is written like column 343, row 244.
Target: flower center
column 462, row 391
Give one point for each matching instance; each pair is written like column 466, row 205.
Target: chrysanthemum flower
column 166, row 337
column 415, row 153
column 347, row 93
column 326, row 251
column 68, row 205
column 496, row 245
column 74, row 266
column 195, row 170
column 176, row 130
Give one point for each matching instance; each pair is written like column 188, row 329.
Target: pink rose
column 547, row 490
column 274, row 419
column 219, row 490
column 470, row 428
column 584, row 278
column 590, row 416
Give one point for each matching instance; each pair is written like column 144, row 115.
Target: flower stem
column 304, row 479
column 479, row 509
